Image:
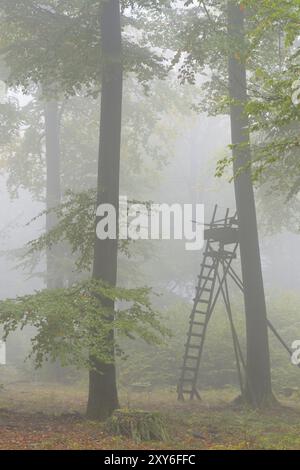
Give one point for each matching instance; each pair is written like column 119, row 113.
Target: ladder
column 220, row 234
column 222, row 243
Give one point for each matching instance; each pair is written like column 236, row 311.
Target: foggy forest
column 149, row 226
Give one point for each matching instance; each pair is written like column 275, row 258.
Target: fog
column 171, row 105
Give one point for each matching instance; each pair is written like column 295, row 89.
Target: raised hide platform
column 225, row 235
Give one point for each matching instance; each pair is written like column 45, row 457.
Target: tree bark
column 103, row 396
column 258, row 386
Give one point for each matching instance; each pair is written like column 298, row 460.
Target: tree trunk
column 103, row 396
column 258, row 387
column 53, row 186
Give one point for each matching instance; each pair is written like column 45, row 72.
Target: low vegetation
column 47, row 416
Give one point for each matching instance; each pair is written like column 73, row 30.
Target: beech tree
column 103, row 398
column 258, row 375
column 219, row 36
column 105, row 71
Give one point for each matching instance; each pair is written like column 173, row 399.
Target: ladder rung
column 222, row 254
column 197, row 323
column 185, row 379
column 204, row 288
column 197, row 335
column 202, row 291
column 208, row 278
column 192, row 357
column 193, row 346
column 200, row 312
column 203, row 301
column 189, row 369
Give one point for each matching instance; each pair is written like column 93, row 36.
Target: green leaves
column 59, row 43
column 271, row 54
column 73, row 324
column 76, row 225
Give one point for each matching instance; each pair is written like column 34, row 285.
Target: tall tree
column 63, row 65
column 103, row 397
column 259, row 389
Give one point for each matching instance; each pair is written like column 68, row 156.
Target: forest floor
column 51, row 416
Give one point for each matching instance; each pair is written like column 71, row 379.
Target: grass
column 51, row 416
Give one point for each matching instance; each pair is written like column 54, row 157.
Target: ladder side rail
column 200, row 290
column 209, row 314
column 207, row 317
column 190, row 330
column 223, row 277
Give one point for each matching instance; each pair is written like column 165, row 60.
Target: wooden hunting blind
column 221, row 249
